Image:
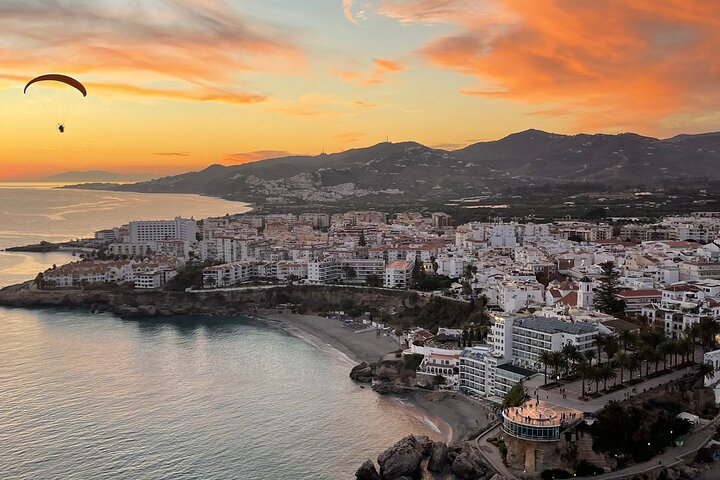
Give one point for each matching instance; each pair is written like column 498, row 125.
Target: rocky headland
column 414, row 457
column 129, row 303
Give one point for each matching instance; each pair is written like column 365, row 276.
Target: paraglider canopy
column 57, row 77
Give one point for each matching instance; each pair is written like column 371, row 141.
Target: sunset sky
column 176, row 85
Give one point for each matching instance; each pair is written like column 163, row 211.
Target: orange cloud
column 377, row 74
column 390, row 65
column 613, row 64
column 358, row 103
column 198, row 95
column 254, row 156
column 204, row 45
column 347, row 11
column 171, row 154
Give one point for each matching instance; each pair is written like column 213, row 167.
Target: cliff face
column 138, row 303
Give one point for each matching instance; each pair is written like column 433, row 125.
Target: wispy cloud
column 347, row 11
column 172, row 154
column 377, row 74
column 358, row 103
column 207, row 46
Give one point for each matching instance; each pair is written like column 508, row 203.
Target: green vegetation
column 499, row 443
column 514, row 397
column 635, row 434
column 190, row 276
column 412, row 361
column 441, row 312
column 605, row 299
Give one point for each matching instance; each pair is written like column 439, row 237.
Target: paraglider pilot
column 61, row 128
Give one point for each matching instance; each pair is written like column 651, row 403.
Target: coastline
column 451, row 415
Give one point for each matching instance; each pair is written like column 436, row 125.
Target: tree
column 514, row 397
column 590, row 356
column 545, row 359
column 572, row 356
column 706, row 371
column 418, row 274
column 558, row 362
column 605, row 296
column 349, row 272
column 584, row 370
column 623, row 361
column 606, row 373
column 705, row 332
column 600, row 342
column 361, row 240
column 373, row 281
column 634, row 365
column 611, row 347
column 627, row 337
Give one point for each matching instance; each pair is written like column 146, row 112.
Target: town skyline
column 180, row 85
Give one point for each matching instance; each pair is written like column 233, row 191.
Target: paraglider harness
column 61, row 127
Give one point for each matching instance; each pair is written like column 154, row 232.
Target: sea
column 91, row 396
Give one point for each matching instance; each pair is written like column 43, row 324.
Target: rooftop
column 515, row 369
column 552, row 325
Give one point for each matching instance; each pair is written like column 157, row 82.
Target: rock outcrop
column 367, row 471
column 468, row 464
column 438, row 457
column 402, row 459
column 362, row 373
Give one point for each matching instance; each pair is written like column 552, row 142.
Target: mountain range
column 408, row 172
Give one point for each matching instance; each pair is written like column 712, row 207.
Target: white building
column 152, row 230
column 434, row 364
column 398, row 274
column 531, row 336
column 323, row 271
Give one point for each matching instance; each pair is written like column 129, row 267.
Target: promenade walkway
column 491, row 453
column 573, row 390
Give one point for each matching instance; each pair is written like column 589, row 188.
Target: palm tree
column 572, row 355
column 611, row 347
column 558, row 362
column 634, row 364
column 596, row 375
column 584, row 370
column 665, row 349
column 546, row 359
column 627, row 337
column 705, row 371
column 606, row 373
column 590, row 356
column 707, row 329
column 622, row 360
column 600, row 342
column 654, row 355
column 686, row 346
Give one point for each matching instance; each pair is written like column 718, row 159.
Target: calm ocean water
column 91, row 396
column 86, row 396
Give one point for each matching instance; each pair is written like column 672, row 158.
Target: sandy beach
column 462, row 418
column 451, row 414
column 326, row 332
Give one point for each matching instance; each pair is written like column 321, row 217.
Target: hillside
column 408, row 172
